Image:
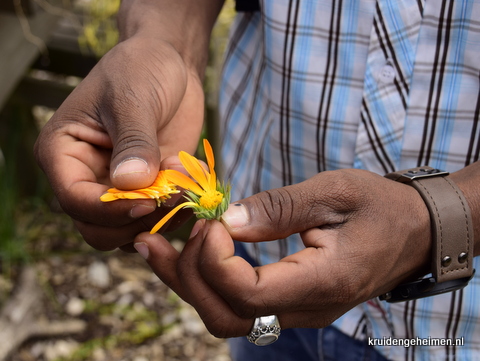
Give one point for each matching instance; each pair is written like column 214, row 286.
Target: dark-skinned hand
column 363, row 235
column 128, row 118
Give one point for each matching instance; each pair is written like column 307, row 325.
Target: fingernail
column 140, row 210
column 142, row 249
column 131, row 165
column 196, row 228
column 178, row 167
column 236, row 216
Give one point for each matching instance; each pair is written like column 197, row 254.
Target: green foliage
column 10, row 243
column 28, row 227
column 25, row 216
column 99, row 33
column 224, row 20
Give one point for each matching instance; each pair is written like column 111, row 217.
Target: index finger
column 76, row 158
column 180, row 272
column 279, row 288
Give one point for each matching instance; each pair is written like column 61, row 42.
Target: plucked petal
column 169, row 216
column 161, row 189
column 114, row 195
column 108, row 197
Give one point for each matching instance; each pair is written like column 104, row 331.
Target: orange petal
column 160, row 181
column 194, row 168
column 212, row 179
column 108, row 197
column 169, row 216
column 114, row 195
column 137, row 195
column 209, row 154
column 183, row 181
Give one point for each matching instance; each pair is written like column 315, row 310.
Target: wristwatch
column 452, row 235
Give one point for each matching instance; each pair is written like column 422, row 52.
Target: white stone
column 61, row 348
column 99, row 274
column 75, row 306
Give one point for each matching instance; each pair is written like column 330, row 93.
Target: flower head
column 205, row 194
column 160, row 190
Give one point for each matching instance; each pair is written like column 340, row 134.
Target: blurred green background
column 31, row 222
column 120, row 310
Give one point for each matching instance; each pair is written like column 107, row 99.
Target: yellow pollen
column 211, row 199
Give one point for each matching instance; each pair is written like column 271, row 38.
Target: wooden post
column 27, row 6
column 18, row 53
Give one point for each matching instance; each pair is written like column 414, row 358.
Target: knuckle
column 219, row 326
column 328, row 198
column 349, row 185
column 218, row 329
column 279, row 206
column 345, row 190
column 133, row 138
column 293, row 208
column 38, row 148
column 105, row 238
column 93, row 240
column 97, row 245
column 70, row 208
column 245, row 307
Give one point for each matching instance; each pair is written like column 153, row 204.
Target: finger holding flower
column 343, row 230
column 205, row 195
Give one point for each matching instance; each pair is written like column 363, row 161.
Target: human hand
column 364, row 234
column 140, row 105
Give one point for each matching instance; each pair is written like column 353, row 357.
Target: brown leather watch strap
column 452, row 228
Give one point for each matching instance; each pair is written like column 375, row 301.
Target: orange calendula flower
column 205, row 194
column 160, row 190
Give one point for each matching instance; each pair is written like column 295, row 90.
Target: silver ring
column 265, row 331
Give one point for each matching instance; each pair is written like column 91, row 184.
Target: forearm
column 185, row 24
column 468, row 180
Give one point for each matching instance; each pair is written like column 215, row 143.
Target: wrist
column 467, row 179
column 185, row 24
column 452, row 234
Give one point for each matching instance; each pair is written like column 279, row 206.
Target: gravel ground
column 127, row 313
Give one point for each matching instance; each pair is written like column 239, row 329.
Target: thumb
column 281, row 212
column 270, row 215
column 136, row 156
column 265, row 216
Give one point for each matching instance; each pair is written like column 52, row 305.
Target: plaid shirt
column 312, row 85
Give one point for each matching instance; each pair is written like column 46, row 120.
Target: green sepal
column 216, row 213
